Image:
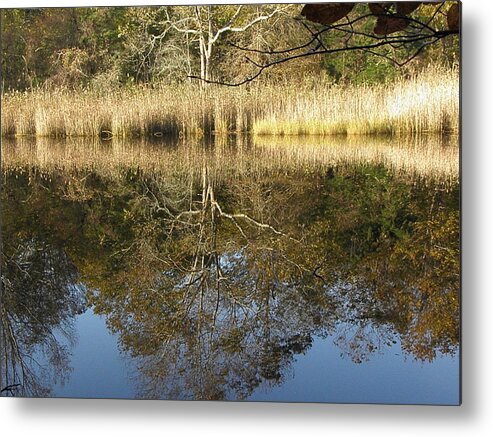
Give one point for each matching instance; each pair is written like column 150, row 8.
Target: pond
column 295, row 269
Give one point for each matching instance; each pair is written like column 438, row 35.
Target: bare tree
column 396, row 31
column 206, row 26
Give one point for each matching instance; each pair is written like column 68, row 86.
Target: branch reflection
column 215, row 279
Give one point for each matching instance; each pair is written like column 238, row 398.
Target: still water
column 232, row 269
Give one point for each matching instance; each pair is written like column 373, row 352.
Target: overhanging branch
column 425, row 39
column 395, row 28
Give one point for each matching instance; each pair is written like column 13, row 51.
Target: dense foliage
column 114, row 46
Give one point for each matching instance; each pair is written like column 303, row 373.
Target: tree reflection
column 38, row 299
column 223, row 300
column 400, row 256
column 215, row 283
column 213, row 306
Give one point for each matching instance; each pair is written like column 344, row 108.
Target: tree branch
column 228, row 27
column 426, row 39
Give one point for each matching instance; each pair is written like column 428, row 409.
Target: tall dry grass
column 428, row 102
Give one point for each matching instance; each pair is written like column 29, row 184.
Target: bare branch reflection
column 217, row 266
column 39, row 299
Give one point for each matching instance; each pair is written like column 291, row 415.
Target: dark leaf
column 326, row 13
column 405, row 8
column 453, row 17
column 379, row 8
column 388, row 25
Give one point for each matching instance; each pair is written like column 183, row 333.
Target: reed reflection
column 217, row 264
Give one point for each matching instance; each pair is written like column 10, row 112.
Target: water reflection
column 431, row 156
column 218, row 264
column 39, row 300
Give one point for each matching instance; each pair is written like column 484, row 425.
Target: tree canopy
column 232, row 44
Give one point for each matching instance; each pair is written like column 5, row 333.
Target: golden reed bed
column 425, row 103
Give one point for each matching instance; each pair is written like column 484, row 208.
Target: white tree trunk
column 202, row 59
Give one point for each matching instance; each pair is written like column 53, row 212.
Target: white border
column 127, row 418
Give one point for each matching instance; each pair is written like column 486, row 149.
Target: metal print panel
column 232, row 202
